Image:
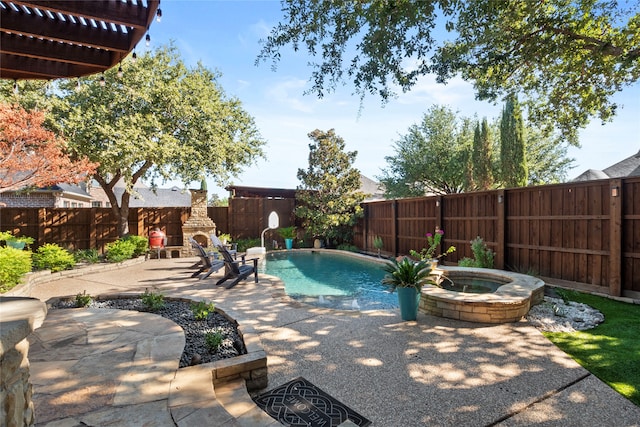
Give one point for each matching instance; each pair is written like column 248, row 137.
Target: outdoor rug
column 300, row 403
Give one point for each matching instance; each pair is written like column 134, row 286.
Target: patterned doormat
column 299, row 403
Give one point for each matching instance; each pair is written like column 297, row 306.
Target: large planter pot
column 408, row 298
column 288, row 243
column 317, row 244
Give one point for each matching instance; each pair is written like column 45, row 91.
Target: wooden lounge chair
column 231, row 247
column 207, row 262
column 235, row 270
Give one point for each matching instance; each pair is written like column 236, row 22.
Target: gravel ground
column 195, row 349
column 556, row 315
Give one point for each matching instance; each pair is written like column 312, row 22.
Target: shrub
column 201, row 309
column 53, row 257
column 83, row 300
column 152, row 301
column 348, row 247
column 141, row 244
column 225, row 238
column 90, row 256
column 213, row 340
column 120, row 250
column 14, row 264
column 244, row 244
column 483, row 256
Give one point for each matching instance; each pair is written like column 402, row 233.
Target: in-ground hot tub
column 512, row 298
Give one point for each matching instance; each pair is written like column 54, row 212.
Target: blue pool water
column 331, row 280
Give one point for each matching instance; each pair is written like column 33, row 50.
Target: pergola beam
column 115, row 11
column 54, row 39
column 48, row 50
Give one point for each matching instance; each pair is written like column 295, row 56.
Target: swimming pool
column 332, row 280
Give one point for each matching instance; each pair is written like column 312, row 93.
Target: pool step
column 235, row 399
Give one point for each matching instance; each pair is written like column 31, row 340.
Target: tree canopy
column 160, row 120
column 32, row 156
column 430, row 158
column 449, row 154
column 330, row 193
column 566, row 58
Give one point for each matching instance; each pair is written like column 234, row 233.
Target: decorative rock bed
column 248, row 361
column 509, row 303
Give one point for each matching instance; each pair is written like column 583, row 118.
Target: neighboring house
column 372, row 190
column 626, row 168
column 92, row 195
column 143, row 197
column 56, row 196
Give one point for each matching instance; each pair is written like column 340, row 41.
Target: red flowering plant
column 429, row 253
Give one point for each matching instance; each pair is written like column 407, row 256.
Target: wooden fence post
column 42, row 216
column 92, row 237
column 501, row 230
column 615, row 237
column 394, row 227
column 365, row 226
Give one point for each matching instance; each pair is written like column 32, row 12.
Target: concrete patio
column 434, row 371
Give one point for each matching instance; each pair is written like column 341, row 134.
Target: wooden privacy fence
column 586, row 234
column 93, row 228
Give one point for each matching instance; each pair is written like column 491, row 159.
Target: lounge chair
column 207, row 262
column 234, row 270
column 231, row 247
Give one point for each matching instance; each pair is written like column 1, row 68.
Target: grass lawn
column 610, row 351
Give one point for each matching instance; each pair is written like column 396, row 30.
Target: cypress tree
column 513, row 162
column 481, row 156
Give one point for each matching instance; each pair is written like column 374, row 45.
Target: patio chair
column 207, row 262
column 231, row 247
column 234, row 270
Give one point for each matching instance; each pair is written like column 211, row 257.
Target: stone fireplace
column 199, row 226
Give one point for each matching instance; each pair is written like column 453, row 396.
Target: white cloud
column 288, row 93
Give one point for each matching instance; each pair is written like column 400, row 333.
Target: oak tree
column 431, row 158
column 565, row 58
column 160, row 120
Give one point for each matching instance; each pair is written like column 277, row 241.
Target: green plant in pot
column 17, row 242
column 288, row 234
column 407, row 277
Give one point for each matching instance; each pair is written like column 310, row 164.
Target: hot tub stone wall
column 509, row 303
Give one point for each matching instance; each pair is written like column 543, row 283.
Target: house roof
column 368, row 186
column 624, row 168
column 56, row 39
column 160, row 198
column 372, row 189
column 627, row 167
column 276, row 193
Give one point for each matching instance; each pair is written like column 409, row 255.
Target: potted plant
column 17, row 242
column 429, row 253
column 288, row 234
column 407, row 277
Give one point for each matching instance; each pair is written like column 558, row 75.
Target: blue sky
column 224, row 35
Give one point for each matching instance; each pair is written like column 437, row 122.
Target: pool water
column 471, row 285
column 331, row 280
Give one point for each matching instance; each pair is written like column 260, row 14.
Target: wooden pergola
column 58, row 39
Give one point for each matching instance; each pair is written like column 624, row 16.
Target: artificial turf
column 611, row 351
